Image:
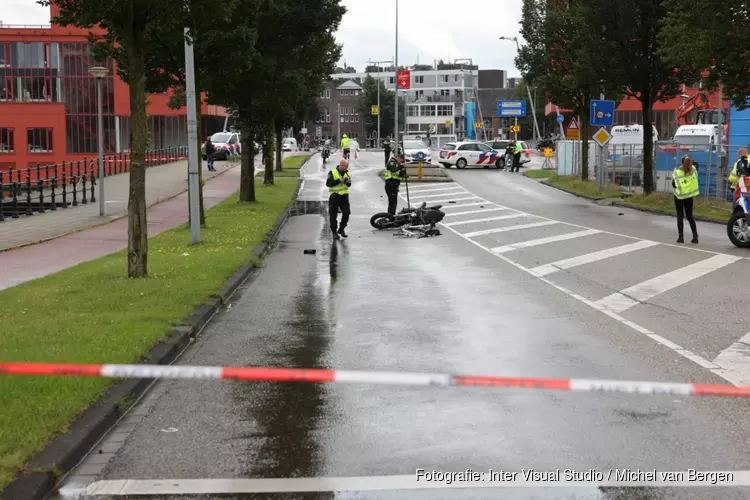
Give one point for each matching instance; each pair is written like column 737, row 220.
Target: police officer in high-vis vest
column 338, row 183
column 685, row 184
column 345, row 145
column 741, row 167
column 387, row 148
column 394, row 172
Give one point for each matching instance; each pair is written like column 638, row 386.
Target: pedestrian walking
column 394, row 172
column 685, row 184
column 516, row 156
column 210, row 149
column 387, row 148
column 338, row 183
column 345, row 146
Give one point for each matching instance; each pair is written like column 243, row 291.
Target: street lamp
column 531, row 101
column 100, row 73
column 378, row 63
column 395, row 80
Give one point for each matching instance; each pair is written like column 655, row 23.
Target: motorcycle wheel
column 382, row 220
column 738, row 230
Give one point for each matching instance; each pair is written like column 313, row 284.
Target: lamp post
column 531, row 101
column 378, row 63
column 395, row 80
column 192, row 126
column 100, row 73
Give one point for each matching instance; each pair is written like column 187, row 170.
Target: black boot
column 336, row 236
column 695, row 239
column 680, row 239
column 342, row 233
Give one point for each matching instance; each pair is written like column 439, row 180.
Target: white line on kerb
column 735, row 362
column 729, row 375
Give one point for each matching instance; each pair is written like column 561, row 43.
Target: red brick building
column 48, row 108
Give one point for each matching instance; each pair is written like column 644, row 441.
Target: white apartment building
column 436, row 99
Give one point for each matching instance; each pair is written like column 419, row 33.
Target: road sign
column 478, row 125
column 573, row 131
column 547, row 152
column 602, row 113
column 374, row 111
column 602, row 137
column 318, row 131
column 304, row 130
column 560, row 118
column 404, row 79
column 515, row 129
column 448, row 123
column 511, row 108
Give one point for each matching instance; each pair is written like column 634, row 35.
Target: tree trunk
column 278, row 147
column 584, row 127
column 247, row 166
column 648, row 141
column 198, row 105
column 137, row 221
column 270, row 139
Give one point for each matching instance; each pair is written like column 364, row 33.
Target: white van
column 289, row 144
column 626, row 146
column 697, row 137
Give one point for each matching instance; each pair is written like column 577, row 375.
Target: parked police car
column 470, row 154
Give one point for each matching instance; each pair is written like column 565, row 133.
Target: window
column 6, row 140
column 427, row 110
column 419, row 79
column 445, row 92
column 346, row 119
column 444, row 78
column 391, row 80
column 484, row 147
column 444, row 110
column 418, row 94
column 455, row 78
column 8, row 88
column 328, row 116
column 356, row 118
column 412, row 110
column 468, row 147
column 40, row 140
column 38, row 89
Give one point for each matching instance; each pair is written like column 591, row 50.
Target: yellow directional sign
column 478, row 125
column 547, row 152
column 374, row 111
column 602, row 137
column 515, row 129
column 448, row 123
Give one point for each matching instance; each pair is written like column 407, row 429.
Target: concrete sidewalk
column 162, row 182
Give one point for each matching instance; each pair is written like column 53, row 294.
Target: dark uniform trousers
column 391, row 190
column 387, row 155
column 338, row 202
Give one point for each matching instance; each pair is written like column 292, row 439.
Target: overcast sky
column 428, row 30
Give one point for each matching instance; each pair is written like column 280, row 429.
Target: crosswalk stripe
column 509, row 228
column 480, row 211
column 487, row 219
column 544, row 241
column 589, row 258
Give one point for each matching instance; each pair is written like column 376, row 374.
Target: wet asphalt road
column 375, row 302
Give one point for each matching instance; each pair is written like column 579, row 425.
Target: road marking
column 636, row 294
column 435, row 189
column 504, row 229
column 442, row 194
column 475, row 204
column 687, row 354
column 487, row 219
column 436, row 202
column 589, row 258
column 544, row 241
column 482, row 211
column 734, row 362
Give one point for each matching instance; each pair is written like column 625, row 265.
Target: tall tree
column 720, row 50
column 629, row 36
column 128, row 24
column 560, row 56
column 369, row 98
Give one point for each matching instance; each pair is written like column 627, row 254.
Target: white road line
column 412, row 190
column 481, row 211
column 636, row 294
column 463, row 192
column 504, row 229
column 438, row 202
column 687, row 354
column 544, row 241
column 487, row 219
column 475, row 204
column 735, row 362
column 588, row 258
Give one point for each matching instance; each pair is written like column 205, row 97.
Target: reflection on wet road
column 375, row 302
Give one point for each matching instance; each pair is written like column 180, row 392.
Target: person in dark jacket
column 210, row 154
column 387, row 148
column 338, row 183
column 394, row 172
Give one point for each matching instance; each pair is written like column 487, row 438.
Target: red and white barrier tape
column 344, row 376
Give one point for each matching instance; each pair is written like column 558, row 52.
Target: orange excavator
column 696, row 110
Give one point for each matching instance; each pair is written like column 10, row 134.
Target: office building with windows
column 436, row 100
column 338, row 112
column 48, row 104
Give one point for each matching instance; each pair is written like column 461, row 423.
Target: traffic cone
column 356, row 154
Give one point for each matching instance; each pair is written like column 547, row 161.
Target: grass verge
column 92, row 313
column 291, row 166
column 574, row 184
column 710, row 209
column 539, row 174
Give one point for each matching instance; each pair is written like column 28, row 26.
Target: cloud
column 23, row 12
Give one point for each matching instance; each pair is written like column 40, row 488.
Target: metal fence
column 41, row 188
column 623, row 165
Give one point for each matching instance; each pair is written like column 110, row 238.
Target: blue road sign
column 511, row 108
column 602, row 113
column 420, row 156
column 560, row 118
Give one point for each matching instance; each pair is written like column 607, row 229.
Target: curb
column 66, row 450
column 655, row 212
column 158, row 202
column 590, row 198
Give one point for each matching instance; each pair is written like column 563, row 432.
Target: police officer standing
column 685, row 184
column 345, row 145
column 516, row 156
column 741, row 167
column 394, row 172
column 338, row 183
column 387, row 148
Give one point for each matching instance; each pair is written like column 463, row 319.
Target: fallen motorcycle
column 423, row 225
column 384, row 220
column 738, row 227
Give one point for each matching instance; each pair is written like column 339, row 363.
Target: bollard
column 53, row 183
column 83, row 186
column 92, row 169
column 40, row 187
column 2, row 197
column 74, row 183
column 14, row 187
column 64, row 189
column 28, row 195
column 419, row 170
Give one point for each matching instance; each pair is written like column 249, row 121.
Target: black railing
column 24, row 191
